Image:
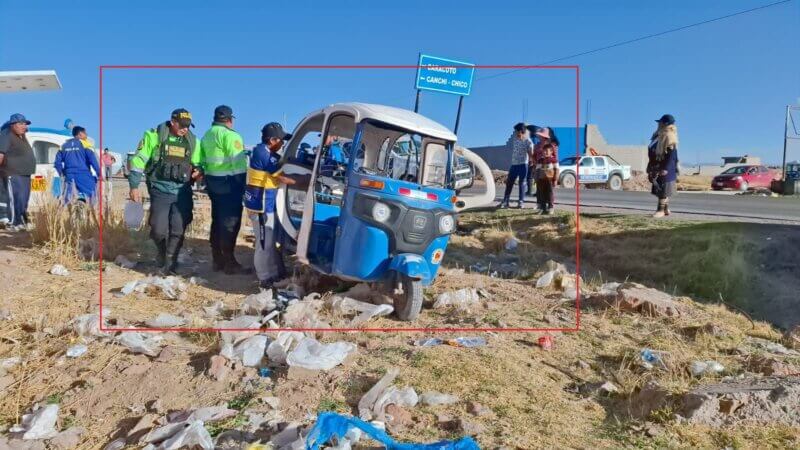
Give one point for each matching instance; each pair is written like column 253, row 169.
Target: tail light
column 372, row 184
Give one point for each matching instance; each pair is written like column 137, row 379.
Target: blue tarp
column 330, row 424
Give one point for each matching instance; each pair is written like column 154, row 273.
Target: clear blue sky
column 727, row 82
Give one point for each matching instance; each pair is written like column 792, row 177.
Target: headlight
column 447, row 224
column 381, row 212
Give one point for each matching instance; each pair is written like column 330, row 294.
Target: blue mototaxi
column 365, row 221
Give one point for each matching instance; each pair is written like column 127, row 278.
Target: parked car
column 593, row 170
column 742, row 178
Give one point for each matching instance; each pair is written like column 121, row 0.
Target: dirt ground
column 535, row 398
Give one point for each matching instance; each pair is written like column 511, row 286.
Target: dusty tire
column 615, row 182
column 568, row 181
column 408, row 304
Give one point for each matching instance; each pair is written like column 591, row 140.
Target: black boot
column 218, row 260
column 161, row 256
column 173, row 248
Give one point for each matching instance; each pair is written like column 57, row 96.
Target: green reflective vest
column 223, row 152
column 149, row 152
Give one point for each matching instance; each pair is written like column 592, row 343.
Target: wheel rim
column 568, row 181
column 616, row 183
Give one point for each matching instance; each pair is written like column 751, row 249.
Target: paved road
column 685, row 204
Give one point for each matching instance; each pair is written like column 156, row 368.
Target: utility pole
column 785, row 142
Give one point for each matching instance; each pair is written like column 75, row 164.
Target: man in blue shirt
column 74, row 164
column 264, row 177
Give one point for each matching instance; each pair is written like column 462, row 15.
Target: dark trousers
column 517, row 171
column 545, row 194
column 170, row 214
column 226, row 221
column 18, row 188
column 529, row 180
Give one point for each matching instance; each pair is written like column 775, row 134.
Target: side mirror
column 460, row 204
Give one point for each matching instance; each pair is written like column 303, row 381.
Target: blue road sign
column 444, row 75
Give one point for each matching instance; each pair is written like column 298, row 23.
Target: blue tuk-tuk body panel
column 408, row 242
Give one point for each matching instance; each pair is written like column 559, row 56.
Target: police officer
column 225, row 165
column 169, row 156
column 74, row 164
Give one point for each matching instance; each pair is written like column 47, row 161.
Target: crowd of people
column 534, row 164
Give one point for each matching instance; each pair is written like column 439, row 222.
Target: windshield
column 399, row 154
column 567, row 161
column 736, row 170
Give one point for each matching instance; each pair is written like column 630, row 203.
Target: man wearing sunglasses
column 169, row 158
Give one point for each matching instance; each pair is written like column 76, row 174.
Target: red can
column 546, row 342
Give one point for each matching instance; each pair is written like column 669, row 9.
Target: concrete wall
column 629, row 155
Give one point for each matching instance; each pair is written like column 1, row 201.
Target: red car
column 742, row 178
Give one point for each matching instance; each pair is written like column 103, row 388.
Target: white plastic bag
column 437, row 398
column 193, row 436
column 39, row 424
column 251, row 350
column 347, row 305
column 461, row 299
column 134, row 214
column 279, row 348
column 312, row 355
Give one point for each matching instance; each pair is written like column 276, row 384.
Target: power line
column 642, row 38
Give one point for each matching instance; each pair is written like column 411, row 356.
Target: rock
column 219, row 369
column 273, row 402
column 476, row 409
column 446, row 422
column 649, row 398
column 145, row 424
column 608, row 388
column 511, row 244
column 766, row 365
column 67, row 439
column 17, row 444
column 581, row 364
column 156, row 406
column 116, row 444
column 652, row 430
column 398, row 418
column 470, row 428
column 59, row 270
column 635, row 298
column 753, row 401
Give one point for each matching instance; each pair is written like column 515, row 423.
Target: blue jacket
column 262, row 180
column 75, row 161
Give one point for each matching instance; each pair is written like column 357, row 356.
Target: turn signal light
column 372, row 184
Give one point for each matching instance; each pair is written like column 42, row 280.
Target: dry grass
column 71, row 233
column 694, row 182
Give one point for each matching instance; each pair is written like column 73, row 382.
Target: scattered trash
column 257, row 304
column 172, row 287
column 59, row 270
column 77, row 350
column 547, row 279
column 214, row 310
column 251, row 350
column 264, row 372
column 133, row 214
column 368, row 400
column 468, row 342
column 437, row 398
column 312, row 355
column 330, row 425
column 164, row 320
column 137, row 343
column 87, row 326
column 347, row 305
column 651, row 358
column 198, row 281
column 303, row 314
column 392, row 395
column 39, row 424
column 546, row 342
column 608, row 388
column 230, row 338
column 124, row 262
column 462, row 299
column 511, row 244
column 700, row 368
column 279, row 348
column 192, row 436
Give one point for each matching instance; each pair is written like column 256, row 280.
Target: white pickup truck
column 593, row 170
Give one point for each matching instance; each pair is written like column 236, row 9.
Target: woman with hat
column 662, row 166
